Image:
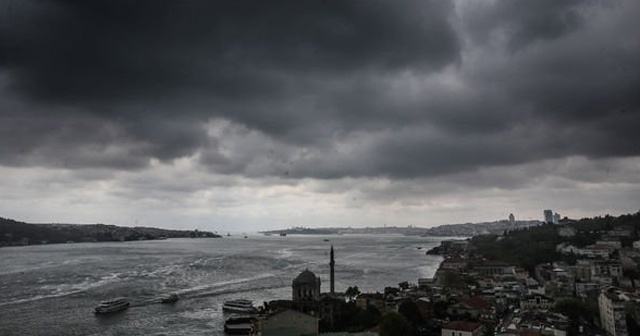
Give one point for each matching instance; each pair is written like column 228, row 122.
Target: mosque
column 308, row 298
column 306, row 286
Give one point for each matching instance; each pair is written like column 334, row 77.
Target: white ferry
column 113, row 305
column 238, row 306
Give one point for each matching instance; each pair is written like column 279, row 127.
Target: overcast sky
column 246, row 115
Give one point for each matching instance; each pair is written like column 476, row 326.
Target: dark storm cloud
column 523, row 21
column 144, row 65
column 118, row 50
column 322, row 89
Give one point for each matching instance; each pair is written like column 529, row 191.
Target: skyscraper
column 548, row 216
column 512, row 219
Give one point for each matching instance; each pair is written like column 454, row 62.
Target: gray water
column 52, row 289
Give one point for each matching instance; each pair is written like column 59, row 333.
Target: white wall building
column 612, row 312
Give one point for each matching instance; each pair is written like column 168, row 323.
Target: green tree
column 352, row 292
column 409, row 310
column 394, row 324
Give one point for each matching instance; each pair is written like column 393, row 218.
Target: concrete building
column 475, row 307
column 366, row 300
column 566, row 231
column 606, row 271
column 611, row 303
column 536, row 302
column 491, row 267
column 288, row 323
column 454, row 263
column 462, row 328
column 512, row 219
column 548, row 216
column 556, row 218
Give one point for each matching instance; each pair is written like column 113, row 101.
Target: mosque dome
column 306, row 277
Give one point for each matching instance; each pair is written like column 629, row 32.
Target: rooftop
column 463, row 326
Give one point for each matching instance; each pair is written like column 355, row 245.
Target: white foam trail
column 66, row 289
column 223, row 283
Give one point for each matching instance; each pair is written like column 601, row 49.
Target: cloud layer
column 453, row 94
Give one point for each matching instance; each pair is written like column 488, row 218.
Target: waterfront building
column 454, row 263
column 548, row 216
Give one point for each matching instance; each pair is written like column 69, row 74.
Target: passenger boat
column 113, row 305
column 239, row 325
column 238, row 306
column 171, row 298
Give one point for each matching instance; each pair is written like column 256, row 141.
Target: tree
column 352, row 292
column 409, row 310
column 394, row 324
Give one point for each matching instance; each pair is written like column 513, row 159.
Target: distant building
column 621, row 232
column 566, row 231
column 454, row 247
column 462, row 328
column 454, row 263
column 492, row 267
column 556, row 218
column 548, row 216
column 512, row 219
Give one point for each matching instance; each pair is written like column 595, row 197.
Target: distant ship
column 113, row 305
column 238, row 306
column 282, row 234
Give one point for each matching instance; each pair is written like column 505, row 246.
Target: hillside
column 14, row 233
column 528, row 247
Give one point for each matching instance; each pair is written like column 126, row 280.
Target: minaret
column 332, row 264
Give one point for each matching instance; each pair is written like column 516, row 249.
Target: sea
column 53, row 289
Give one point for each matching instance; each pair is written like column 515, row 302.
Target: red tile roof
column 477, row 302
column 463, row 326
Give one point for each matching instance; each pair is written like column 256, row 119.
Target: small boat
column 282, row 234
column 171, row 298
column 325, row 240
column 239, row 306
column 113, row 305
column 239, row 325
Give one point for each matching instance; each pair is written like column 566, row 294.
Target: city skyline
column 249, row 116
